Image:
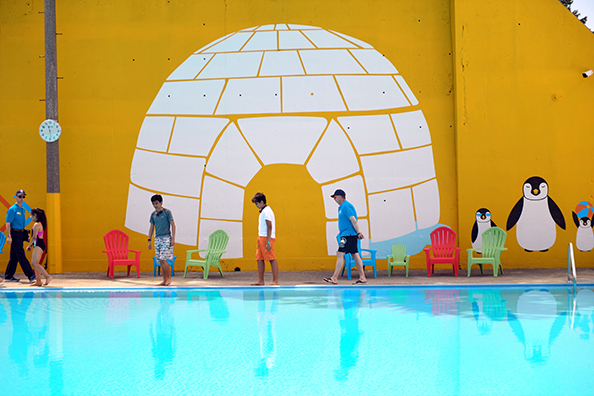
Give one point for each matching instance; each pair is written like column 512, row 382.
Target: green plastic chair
column 217, row 242
column 493, row 242
column 398, row 258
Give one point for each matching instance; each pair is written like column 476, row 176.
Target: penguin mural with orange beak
column 536, row 216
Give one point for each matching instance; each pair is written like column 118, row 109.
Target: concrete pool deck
column 311, row 278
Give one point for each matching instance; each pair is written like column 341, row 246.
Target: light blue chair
column 367, row 256
column 2, row 241
column 157, row 267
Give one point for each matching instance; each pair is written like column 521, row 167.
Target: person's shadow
column 162, row 334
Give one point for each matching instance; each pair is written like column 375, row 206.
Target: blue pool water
column 536, row 340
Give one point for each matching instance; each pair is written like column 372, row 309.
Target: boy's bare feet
column 274, row 284
column 48, row 280
column 162, row 284
column 38, row 284
column 257, row 284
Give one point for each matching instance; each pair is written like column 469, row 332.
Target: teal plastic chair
column 493, row 245
column 367, row 256
column 2, row 241
column 398, row 258
column 217, row 243
column 157, row 266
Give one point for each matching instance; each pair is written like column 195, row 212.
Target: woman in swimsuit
column 38, row 216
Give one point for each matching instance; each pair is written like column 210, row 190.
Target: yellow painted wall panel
column 522, row 111
column 501, row 92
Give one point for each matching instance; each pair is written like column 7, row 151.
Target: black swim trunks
column 348, row 244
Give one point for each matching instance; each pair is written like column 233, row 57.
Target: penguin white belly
column 584, row 239
column 536, row 229
column 482, row 227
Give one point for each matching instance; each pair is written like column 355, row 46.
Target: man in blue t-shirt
column 162, row 223
column 349, row 234
column 15, row 226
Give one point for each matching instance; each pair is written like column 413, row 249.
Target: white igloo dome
column 285, row 94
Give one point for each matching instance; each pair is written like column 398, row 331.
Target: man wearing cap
column 349, row 233
column 15, row 226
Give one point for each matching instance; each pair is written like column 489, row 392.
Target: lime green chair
column 217, row 242
column 398, row 258
column 493, row 242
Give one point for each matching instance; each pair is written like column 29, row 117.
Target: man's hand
column 149, row 247
column 268, row 246
column 9, row 239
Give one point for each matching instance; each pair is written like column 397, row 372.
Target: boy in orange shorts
column 266, row 237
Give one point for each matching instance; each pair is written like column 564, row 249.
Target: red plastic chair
column 116, row 244
column 443, row 241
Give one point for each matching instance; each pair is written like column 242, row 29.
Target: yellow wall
column 523, row 109
column 520, row 90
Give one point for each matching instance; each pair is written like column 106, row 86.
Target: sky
column 585, row 8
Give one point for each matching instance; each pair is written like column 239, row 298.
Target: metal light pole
column 52, row 148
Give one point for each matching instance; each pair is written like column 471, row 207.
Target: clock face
column 50, row 130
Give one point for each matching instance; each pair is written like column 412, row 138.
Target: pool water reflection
column 299, row 341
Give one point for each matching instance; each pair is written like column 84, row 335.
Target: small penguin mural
column 536, row 215
column 584, row 239
column 482, row 223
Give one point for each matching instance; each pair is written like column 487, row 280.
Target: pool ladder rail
column 571, row 275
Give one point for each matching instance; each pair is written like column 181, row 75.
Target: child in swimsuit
column 38, row 244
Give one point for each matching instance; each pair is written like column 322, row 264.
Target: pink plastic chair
column 443, row 241
column 116, row 244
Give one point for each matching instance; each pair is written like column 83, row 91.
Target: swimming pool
column 529, row 340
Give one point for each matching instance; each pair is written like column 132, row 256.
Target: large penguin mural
column 482, row 223
column 535, row 215
column 584, row 238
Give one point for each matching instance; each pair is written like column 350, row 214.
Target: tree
column 568, row 4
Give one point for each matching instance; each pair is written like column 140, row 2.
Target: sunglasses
column 21, row 196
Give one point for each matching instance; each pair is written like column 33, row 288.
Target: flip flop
column 359, row 282
column 329, row 280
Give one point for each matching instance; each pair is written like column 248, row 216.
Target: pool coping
column 303, row 287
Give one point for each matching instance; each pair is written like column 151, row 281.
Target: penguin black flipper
column 493, row 224
column 515, row 213
column 474, row 233
column 576, row 220
column 556, row 213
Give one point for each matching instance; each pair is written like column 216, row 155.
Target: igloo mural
column 286, row 94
